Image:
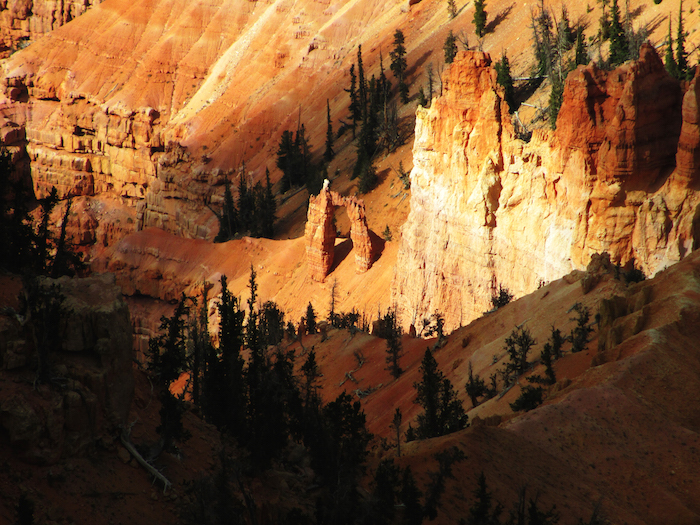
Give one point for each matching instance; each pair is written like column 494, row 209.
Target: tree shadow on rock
column 500, row 17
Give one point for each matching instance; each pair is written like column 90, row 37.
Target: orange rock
column 488, row 209
column 320, row 233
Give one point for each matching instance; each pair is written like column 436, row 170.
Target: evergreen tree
column 228, row 222
column 431, row 80
column 271, row 324
column 224, row 391
column 355, row 114
column 394, row 349
column 310, row 319
column 480, row 18
column 517, row 347
column 168, row 361
column 619, row 48
column 328, row 154
column 581, row 51
column 366, row 172
column 504, row 78
column 530, row 398
column 556, row 98
column 684, row 71
column 385, row 493
column 450, row 47
column 362, row 97
column 399, row 65
column 410, row 496
column 286, row 159
column 547, row 358
column 383, row 86
column 580, row 334
column 475, row 387
column 396, row 425
column 246, row 204
column 269, row 209
column 452, row 8
column 442, row 411
column 43, row 237
column 16, row 234
column 482, row 511
column 670, row 62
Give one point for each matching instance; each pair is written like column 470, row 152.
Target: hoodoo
column 320, row 233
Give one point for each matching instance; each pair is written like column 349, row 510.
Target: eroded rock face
column 488, row 209
column 320, row 233
column 92, row 373
column 26, row 20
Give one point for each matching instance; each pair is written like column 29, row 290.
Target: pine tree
column 481, row 512
column 310, row 319
column 684, row 71
column 228, row 223
column 269, row 204
column 475, row 387
column 556, row 98
column 383, row 86
column 480, row 18
column 394, row 349
column 399, row 65
column 450, row 47
column 452, row 8
column 670, row 62
column 517, row 346
column 581, row 52
column 504, row 78
column 362, row 98
column 396, row 426
column 431, row 81
column 355, row 114
column 442, row 411
column 328, row 154
column 619, row 48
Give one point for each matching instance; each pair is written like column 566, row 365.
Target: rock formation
column 22, row 21
column 93, row 367
column 320, row 233
column 489, row 209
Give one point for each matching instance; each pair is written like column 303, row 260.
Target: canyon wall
column 490, row 210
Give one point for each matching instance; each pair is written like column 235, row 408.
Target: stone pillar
column 320, row 235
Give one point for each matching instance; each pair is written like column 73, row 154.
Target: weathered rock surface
column 320, row 233
column 488, row 209
column 93, row 368
column 26, row 20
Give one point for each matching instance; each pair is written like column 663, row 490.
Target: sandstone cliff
column 488, row 209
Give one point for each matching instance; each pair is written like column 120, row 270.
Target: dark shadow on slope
column 342, row 250
column 500, row 17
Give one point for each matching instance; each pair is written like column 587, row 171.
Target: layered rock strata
column 488, row 209
column 320, row 233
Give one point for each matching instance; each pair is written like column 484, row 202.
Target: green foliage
column 580, row 334
column 355, row 112
column 543, row 40
column 475, row 386
column 582, row 57
column 394, row 349
column 294, row 159
column 338, row 452
column 479, row 19
column 530, row 398
column 452, row 8
column 450, row 47
column 168, row 360
column 685, row 72
column 271, row 324
column 328, row 154
column 386, row 234
column 399, row 65
column 556, row 98
column 385, row 493
column 404, row 176
column 422, row 99
column 256, row 211
column 517, row 347
column 670, row 59
column 310, row 319
column 504, row 78
column 410, row 497
column 503, row 297
column 442, row 410
column 619, row 48
column 366, row 172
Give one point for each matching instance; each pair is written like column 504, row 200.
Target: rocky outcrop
column 488, row 209
column 22, row 21
column 320, row 233
column 688, row 156
column 92, row 380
